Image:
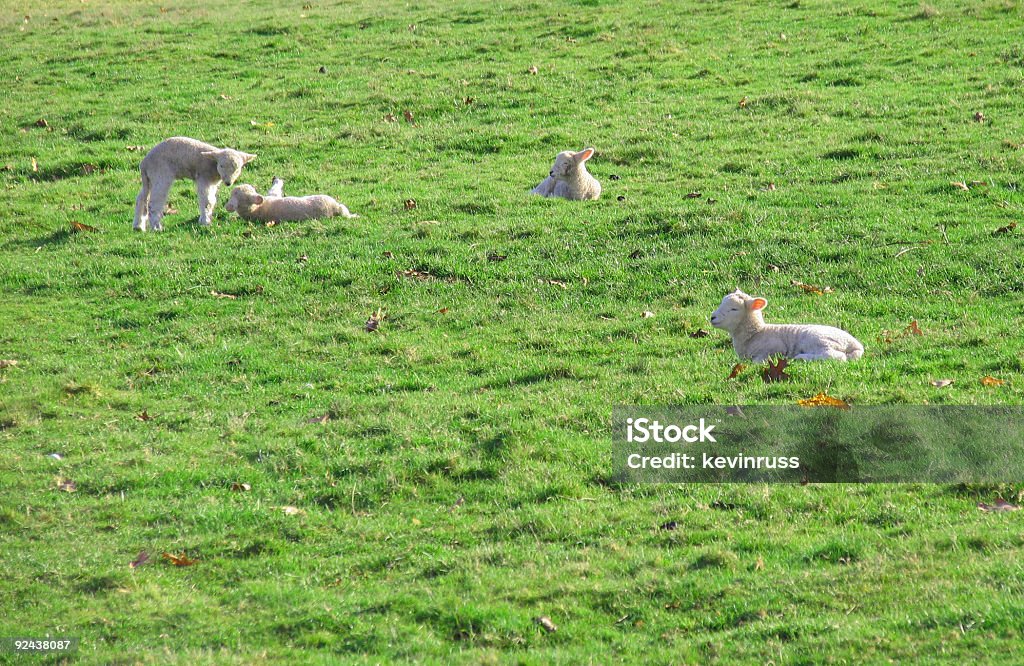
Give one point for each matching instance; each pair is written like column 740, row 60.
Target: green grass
column 488, row 381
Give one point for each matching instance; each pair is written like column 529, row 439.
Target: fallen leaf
column 323, row 69
column 614, row 177
column 182, row 560
column 259, row 124
column 413, row 274
column 775, row 372
column 770, row 187
column 89, row 169
column 913, row 329
column 736, row 370
column 139, row 560
column 35, row 165
column 495, row 257
column 941, row 383
column 694, row 195
column 459, row 502
column 443, row 311
column 303, row 258
column 241, row 487
column 1005, row 230
column 7, row 363
column 670, row 525
column 144, row 416
column 759, row 564
column 992, row 381
column 467, row 101
column 67, row 485
column 390, row 118
column 699, row 333
column 646, row 314
column 292, row 511
column 960, row 186
column 78, row 226
column 408, row 117
column 823, row 400
column 320, row 419
column 621, row 197
column 388, row 255
column 743, row 102
column 219, row 294
column 533, row 69
column 810, row 288
column 270, row 223
column 1000, row 505
column 546, row 622
column 410, row 204
column 135, row 148
column 42, row 123
column 556, row 283
column 979, row 117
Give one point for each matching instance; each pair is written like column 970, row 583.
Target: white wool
column 183, row 158
column 251, row 205
column 569, row 178
column 740, row 315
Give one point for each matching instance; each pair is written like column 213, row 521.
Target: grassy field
column 448, row 474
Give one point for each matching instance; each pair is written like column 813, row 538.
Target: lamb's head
column 736, row 309
column 230, row 163
column 569, row 162
column 244, row 198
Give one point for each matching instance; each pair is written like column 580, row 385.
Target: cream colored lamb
column 183, row 158
column 275, row 207
column 740, row 315
column 569, row 178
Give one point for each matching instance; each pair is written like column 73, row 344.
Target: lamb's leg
column 142, row 206
column 546, row 187
column 207, row 192
column 276, row 188
column 160, row 189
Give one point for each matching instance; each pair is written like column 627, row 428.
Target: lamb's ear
column 584, row 154
column 248, row 157
column 258, row 200
column 210, row 153
column 758, row 304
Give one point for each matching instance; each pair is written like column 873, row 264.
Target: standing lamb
column 569, row 178
column 740, row 315
column 275, row 207
column 183, row 158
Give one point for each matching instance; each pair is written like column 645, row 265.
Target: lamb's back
column 180, row 157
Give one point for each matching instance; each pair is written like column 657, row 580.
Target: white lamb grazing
column 275, row 207
column 183, row 158
column 569, row 178
column 740, row 315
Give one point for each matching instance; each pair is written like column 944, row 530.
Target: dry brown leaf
column 743, row 102
column 495, row 257
column 699, row 333
column 913, row 329
column 408, row 117
column 239, row 487
column 413, row 274
column 736, row 370
column 961, row 186
column 390, row 118
column 459, row 502
column 139, row 560
column 78, row 226
column 533, row 69
column 373, row 323
column 182, row 560
column 410, row 204
column 646, row 314
column 144, row 416
column 259, row 124
column 988, row 380
column 1005, row 230
column 979, row 117
column 220, row 294
column 292, row 511
column 942, row 383
column 556, row 283
column 546, row 622
column 759, row 564
column 320, row 419
column 388, row 254
column 669, row 526
column 810, row 288
column 823, row 400
column 775, row 372
column 694, row 195
column 35, row 165
column 999, row 505
column 66, row 485
column 135, row 148
column 7, row 363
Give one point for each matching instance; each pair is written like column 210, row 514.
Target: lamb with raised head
column 180, row 158
column 275, row 207
column 740, row 315
column 569, row 178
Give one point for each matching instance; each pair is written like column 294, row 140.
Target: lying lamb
column 180, row 158
column 569, row 178
column 740, row 315
column 275, row 207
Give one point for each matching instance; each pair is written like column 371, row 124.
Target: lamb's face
column 230, row 163
column 243, row 197
column 734, row 309
column 565, row 164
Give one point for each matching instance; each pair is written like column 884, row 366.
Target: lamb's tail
column 855, row 350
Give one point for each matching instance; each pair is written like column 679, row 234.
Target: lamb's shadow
column 58, row 237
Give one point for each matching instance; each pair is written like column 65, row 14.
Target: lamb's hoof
column 139, row 229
